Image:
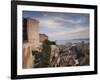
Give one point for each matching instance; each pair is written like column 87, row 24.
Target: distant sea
column 72, row 41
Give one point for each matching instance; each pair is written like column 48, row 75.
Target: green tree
column 45, row 55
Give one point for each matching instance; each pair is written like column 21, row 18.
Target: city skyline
column 61, row 26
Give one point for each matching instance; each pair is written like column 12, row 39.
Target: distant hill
column 81, row 39
column 86, row 40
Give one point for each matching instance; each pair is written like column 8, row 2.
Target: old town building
column 43, row 37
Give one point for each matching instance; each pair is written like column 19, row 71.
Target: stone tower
column 30, row 41
column 32, row 30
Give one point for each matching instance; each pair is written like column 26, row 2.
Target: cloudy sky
column 61, row 26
